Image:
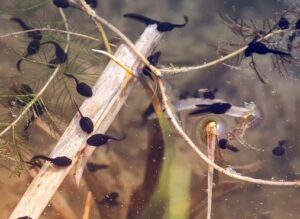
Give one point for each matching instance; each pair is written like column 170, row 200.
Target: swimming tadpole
column 215, row 108
column 81, row 87
column 32, row 49
column 60, row 55
column 61, row 161
column 279, row 150
column 261, row 49
column 161, row 26
column 100, row 139
column 36, row 35
column 86, row 124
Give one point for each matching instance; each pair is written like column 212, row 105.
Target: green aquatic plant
column 50, row 91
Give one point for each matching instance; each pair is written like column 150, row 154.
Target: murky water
column 278, row 102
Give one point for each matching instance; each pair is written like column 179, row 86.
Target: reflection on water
column 278, row 102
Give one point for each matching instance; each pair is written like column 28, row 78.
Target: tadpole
column 161, row 26
column 279, row 150
column 32, row 49
column 37, row 35
column 81, row 87
column 153, row 59
column 60, row 55
column 262, row 49
column 223, row 144
column 215, row 108
column 100, row 139
column 61, row 161
column 92, row 3
column 283, row 23
column 85, row 123
column 65, row 4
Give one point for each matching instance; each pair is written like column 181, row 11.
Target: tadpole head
column 278, row 151
column 86, row 124
column 61, row 3
column 84, row 89
column 62, row 161
column 283, row 23
column 97, row 140
column 92, row 3
column 248, row 52
column 223, row 143
column 33, row 47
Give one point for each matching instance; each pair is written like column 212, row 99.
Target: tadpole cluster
column 35, row 45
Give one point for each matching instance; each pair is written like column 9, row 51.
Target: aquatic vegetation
column 161, row 186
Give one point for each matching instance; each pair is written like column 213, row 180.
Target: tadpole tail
column 143, row 19
column 200, row 111
column 186, row 20
column 18, row 65
column 77, row 107
column 72, row 76
column 21, row 23
column 279, row 52
column 40, row 157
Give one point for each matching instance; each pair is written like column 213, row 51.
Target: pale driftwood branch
column 110, row 92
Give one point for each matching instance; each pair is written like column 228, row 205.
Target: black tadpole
column 262, row 49
column 215, row 108
column 62, row 161
column 60, row 55
column 93, row 167
column 100, row 139
column 153, row 59
column 37, row 35
column 81, row 87
column 279, row 150
column 32, row 49
column 110, row 199
column 161, row 26
column 283, row 23
column 85, row 123
column 223, row 143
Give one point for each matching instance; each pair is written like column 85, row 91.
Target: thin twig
column 177, row 70
column 211, row 138
column 87, row 206
column 205, row 158
column 52, row 30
